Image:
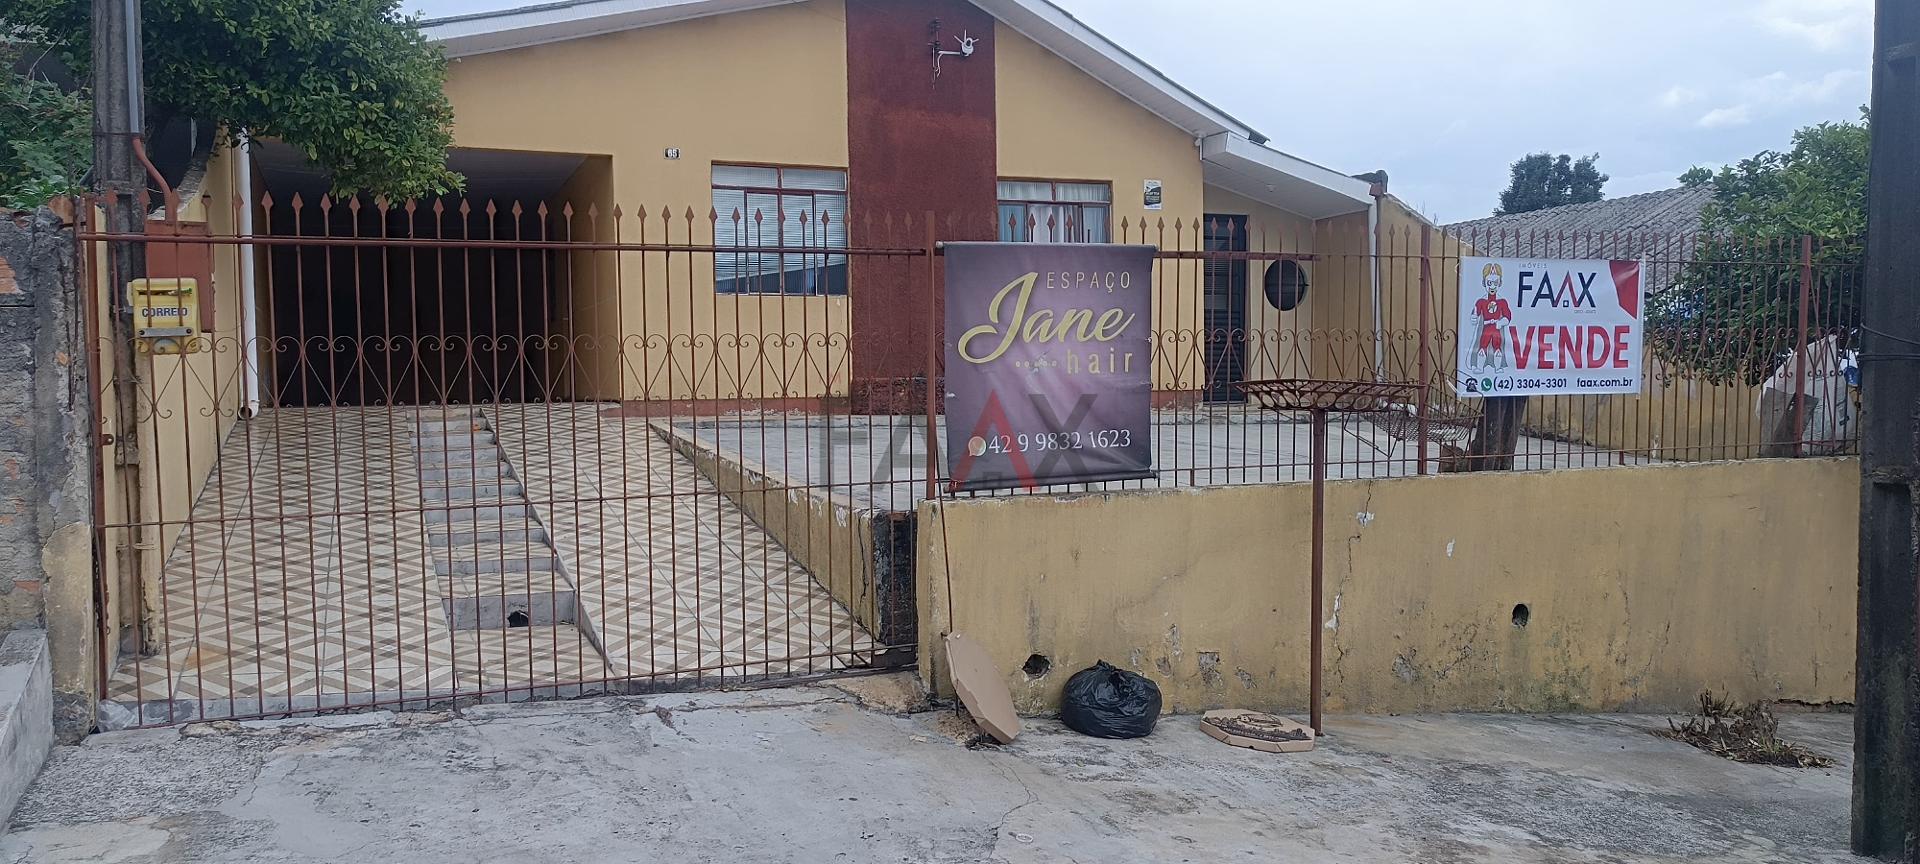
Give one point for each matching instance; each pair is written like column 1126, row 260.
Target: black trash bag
column 1109, row 702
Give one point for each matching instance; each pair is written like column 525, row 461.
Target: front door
column 1224, row 307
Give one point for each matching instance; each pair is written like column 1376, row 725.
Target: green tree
column 1732, row 313
column 1696, row 176
column 1542, row 180
column 46, row 133
column 352, row 83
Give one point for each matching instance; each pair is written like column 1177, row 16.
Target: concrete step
column 475, row 491
column 464, row 473
column 429, row 442
column 511, row 556
column 437, row 424
column 458, row 458
column 464, row 514
column 459, row 585
column 536, row 611
column 513, row 529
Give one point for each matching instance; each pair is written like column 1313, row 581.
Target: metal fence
column 466, row 449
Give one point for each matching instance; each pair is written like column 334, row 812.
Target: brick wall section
column 914, row 144
column 45, row 495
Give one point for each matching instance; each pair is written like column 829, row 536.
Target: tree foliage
column 1696, row 176
column 352, row 83
column 46, row 134
column 1733, row 312
column 1542, row 180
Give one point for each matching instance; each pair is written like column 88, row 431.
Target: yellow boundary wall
column 1642, row 585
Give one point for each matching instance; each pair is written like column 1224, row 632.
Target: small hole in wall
column 1521, row 615
column 517, row 618
column 1037, row 665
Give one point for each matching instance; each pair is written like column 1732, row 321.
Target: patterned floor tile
column 316, row 567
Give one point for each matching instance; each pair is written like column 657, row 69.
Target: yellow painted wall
column 187, row 405
column 1674, row 418
column 1274, row 347
column 1644, row 586
column 197, row 397
column 1339, row 312
column 1055, row 122
column 762, row 87
column 584, row 328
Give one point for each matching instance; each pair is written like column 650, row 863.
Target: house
column 709, row 121
column 399, row 425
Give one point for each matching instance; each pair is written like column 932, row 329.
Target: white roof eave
column 487, row 32
column 1288, row 182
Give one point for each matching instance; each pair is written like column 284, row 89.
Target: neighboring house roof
column 1670, row 213
column 1238, row 161
column 1657, row 227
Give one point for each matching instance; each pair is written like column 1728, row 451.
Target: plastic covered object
column 1105, row 701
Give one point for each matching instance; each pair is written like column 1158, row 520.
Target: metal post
column 1886, row 720
column 933, row 370
column 1319, row 459
column 1800, row 355
column 1426, row 312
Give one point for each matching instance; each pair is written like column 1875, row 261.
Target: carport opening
column 456, row 319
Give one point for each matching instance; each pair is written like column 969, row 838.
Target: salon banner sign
column 1536, row 327
column 1049, row 373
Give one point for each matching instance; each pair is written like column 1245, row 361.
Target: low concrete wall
column 860, row 555
column 1641, row 586
column 26, row 713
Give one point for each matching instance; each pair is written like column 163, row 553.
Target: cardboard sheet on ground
column 981, row 688
column 1255, row 730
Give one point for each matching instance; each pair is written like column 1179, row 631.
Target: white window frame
column 1024, row 213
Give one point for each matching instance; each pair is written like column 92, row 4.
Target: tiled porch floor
column 308, row 575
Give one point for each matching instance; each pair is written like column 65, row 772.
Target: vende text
column 1550, row 347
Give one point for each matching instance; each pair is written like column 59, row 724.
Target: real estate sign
column 1049, row 363
column 1538, row 327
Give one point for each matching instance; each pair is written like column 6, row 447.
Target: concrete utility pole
column 118, row 117
column 1886, row 772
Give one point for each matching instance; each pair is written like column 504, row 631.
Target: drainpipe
column 249, row 311
column 1379, row 192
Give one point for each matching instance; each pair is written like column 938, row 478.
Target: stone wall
column 46, row 570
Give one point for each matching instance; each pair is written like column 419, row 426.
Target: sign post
column 1537, row 327
column 1049, row 368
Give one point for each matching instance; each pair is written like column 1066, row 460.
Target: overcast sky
column 1445, row 95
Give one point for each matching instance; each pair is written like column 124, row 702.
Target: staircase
column 494, row 563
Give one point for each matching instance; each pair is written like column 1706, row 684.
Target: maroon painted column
column 915, row 144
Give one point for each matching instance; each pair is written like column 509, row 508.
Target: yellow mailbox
column 166, row 315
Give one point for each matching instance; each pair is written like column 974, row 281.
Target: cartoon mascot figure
column 1491, row 316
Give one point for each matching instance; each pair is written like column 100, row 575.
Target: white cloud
column 1824, row 87
column 1826, row 25
column 1680, row 95
column 1774, row 91
column 1721, row 118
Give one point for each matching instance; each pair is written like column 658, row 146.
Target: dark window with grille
column 772, row 207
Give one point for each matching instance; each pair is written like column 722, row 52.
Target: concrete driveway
column 845, row 774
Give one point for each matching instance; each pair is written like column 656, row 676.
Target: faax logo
column 1574, row 291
